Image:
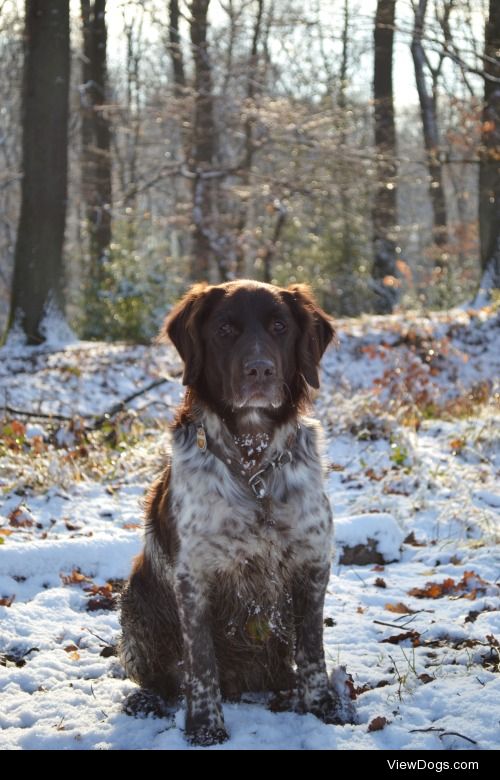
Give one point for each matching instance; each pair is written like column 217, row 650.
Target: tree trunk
column 204, row 254
column 384, row 211
column 345, row 204
column 489, row 169
column 176, row 49
column 428, row 112
column 38, row 286
column 248, row 131
column 96, row 154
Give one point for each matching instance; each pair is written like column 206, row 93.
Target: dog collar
column 258, row 482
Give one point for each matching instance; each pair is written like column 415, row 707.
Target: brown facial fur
column 218, row 330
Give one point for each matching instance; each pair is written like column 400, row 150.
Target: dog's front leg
column 204, row 717
column 314, row 691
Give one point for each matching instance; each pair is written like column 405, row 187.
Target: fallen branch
column 95, row 422
column 35, row 415
column 393, row 625
column 443, row 733
column 120, row 405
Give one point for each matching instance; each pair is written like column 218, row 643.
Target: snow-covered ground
column 410, row 410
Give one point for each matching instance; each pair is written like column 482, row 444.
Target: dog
column 227, row 594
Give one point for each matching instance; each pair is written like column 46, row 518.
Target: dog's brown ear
column 316, row 330
column 183, row 327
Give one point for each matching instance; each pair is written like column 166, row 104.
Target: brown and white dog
column 227, row 595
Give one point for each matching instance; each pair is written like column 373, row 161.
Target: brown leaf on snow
column 426, row 678
column 380, row 583
column 7, row 601
column 75, row 578
column 377, row 724
column 410, row 539
column 71, row 527
column 399, row 608
column 100, row 590
column 469, row 587
column 371, row 474
column 101, row 602
column 397, row 638
column 109, row 651
column 21, row 517
column 433, row 590
column 70, row 649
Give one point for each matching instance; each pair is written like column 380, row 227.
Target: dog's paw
column 343, row 685
column 207, row 735
column 144, row 704
column 327, row 708
column 283, row 701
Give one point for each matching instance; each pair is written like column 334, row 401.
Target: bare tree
column 175, row 49
column 384, row 212
column 96, row 153
column 245, row 166
column 38, row 283
column 428, row 113
column 489, row 169
column 205, row 251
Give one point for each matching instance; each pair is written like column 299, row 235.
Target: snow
column 381, row 527
column 409, row 407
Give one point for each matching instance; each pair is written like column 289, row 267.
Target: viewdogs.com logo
column 436, row 766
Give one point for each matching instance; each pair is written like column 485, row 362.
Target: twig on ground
column 442, row 733
column 95, row 422
column 120, row 405
column 392, row 625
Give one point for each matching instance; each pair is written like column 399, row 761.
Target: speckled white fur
column 215, row 513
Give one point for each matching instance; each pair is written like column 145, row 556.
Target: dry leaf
column 397, row 638
column 400, row 608
column 410, row 539
column 75, row 578
column 21, row 517
column 377, row 724
column 469, row 587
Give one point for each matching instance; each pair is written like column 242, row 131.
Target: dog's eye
column 278, row 326
column 226, row 329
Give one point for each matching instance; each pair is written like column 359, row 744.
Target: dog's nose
column 259, row 369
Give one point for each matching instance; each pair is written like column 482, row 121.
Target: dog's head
column 250, row 345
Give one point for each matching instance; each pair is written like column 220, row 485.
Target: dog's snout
column 260, row 370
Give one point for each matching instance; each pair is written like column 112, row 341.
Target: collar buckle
column 257, row 484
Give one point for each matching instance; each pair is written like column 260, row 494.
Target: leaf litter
column 409, row 405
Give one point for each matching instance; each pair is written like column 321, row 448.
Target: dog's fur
column 228, row 592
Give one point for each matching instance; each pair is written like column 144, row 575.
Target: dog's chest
column 222, row 527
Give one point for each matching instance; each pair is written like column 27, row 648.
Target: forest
column 350, row 145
